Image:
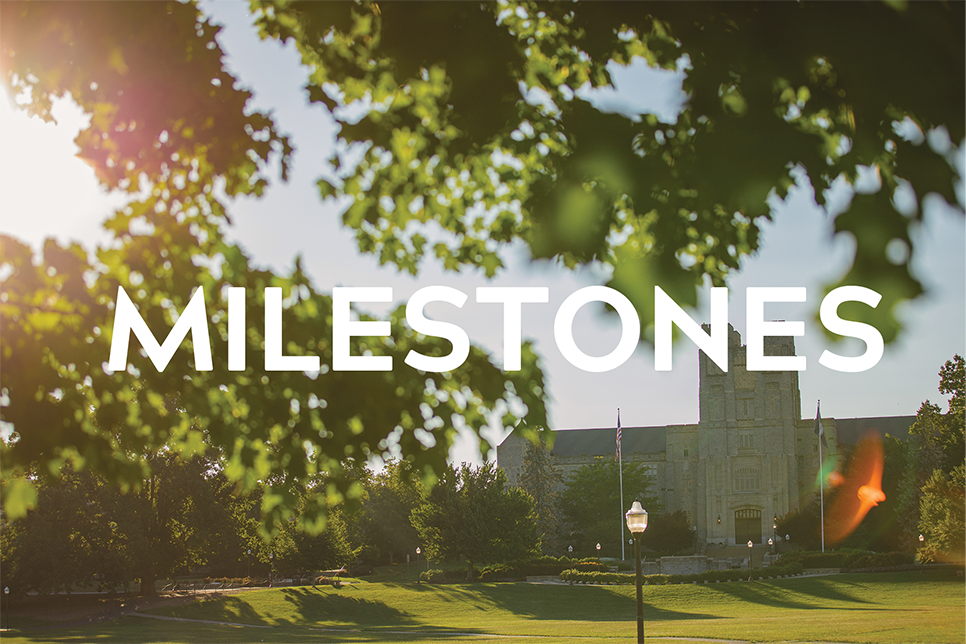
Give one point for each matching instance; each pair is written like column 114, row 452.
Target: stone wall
column 692, row 565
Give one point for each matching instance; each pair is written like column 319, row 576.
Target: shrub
column 595, row 577
column 434, row 576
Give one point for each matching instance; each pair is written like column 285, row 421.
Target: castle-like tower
column 751, row 457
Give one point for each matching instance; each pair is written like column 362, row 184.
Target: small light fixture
column 719, row 518
column 636, row 519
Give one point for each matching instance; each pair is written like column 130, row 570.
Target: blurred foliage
column 465, row 128
column 171, row 125
column 475, row 118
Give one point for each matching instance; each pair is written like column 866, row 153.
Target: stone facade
column 750, row 458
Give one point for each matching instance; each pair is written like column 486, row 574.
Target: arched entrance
column 747, row 526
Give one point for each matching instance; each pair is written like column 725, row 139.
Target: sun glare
column 45, row 190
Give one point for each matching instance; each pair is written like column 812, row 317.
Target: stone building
column 749, row 459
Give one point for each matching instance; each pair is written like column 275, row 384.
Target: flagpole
column 620, row 468
column 820, row 430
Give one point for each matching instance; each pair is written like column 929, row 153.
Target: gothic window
column 746, row 440
column 717, row 402
column 773, row 400
column 747, row 479
column 746, row 408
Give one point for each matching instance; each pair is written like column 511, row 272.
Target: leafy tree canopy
column 942, row 520
column 171, row 125
column 946, row 431
column 591, row 503
column 670, row 533
column 471, row 515
column 477, row 117
column 469, row 116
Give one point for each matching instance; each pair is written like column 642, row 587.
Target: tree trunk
column 469, row 571
column 147, row 585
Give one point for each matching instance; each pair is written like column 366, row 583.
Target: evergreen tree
column 541, row 480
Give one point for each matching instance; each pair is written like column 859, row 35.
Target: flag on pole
column 617, row 454
column 819, row 430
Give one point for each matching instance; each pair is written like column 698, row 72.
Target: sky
column 291, row 220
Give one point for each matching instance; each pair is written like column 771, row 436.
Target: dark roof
column 851, row 430
column 603, row 441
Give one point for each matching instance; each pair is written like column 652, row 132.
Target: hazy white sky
column 290, row 220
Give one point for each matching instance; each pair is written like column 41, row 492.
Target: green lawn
column 882, row 608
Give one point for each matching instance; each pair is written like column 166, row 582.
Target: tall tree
column 592, row 504
column 182, row 517
column 541, row 480
column 471, row 515
column 942, row 519
column 383, row 521
column 669, row 532
column 946, row 430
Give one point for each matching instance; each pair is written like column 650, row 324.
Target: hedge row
column 513, row 571
column 539, row 567
column 848, row 559
column 660, row 580
column 437, row 576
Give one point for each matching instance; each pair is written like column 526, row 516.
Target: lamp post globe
column 750, row 546
column 636, row 519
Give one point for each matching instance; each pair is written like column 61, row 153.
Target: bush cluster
column 848, row 559
column 434, row 576
column 517, row 570
column 710, row 576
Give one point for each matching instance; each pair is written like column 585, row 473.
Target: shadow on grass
column 786, row 596
column 316, row 607
column 584, row 603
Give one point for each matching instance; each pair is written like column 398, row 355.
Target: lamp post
column 249, row 563
column 771, row 545
column 418, row 550
column 6, row 604
column 922, row 541
column 750, row 546
column 637, row 524
column 598, row 551
column 570, row 552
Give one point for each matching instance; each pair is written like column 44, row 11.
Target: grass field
column 882, row 608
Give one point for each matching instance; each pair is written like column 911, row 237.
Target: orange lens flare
column 859, row 492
